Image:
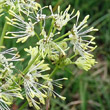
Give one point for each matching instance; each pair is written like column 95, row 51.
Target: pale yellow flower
column 81, row 40
column 26, row 29
column 62, row 18
column 85, row 63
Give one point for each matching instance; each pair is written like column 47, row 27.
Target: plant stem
column 53, row 72
column 47, row 104
column 73, row 56
column 82, row 94
column 3, row 34
column 37, row 36
column 52, row 24
column 54, row 30
column 23, row 106
column 27, row 68
column 62, row 36
column 40, row 24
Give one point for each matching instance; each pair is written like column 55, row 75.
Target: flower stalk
column 61, row 37
column 3, row 34
column 53, row 72
column 30, row 64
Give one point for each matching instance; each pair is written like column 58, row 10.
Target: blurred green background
column 88, row 90
column 84, row 90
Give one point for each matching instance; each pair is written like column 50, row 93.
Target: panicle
column 47, row 46
column 13, row 53
column 34, row 87
column 85, row 63
column 26, row 29
column 55, row 83
column 62, row 18
column 38, row 84
column 8, row 90
column 29, row 7
column 83, row 42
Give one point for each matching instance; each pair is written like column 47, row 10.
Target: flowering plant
column 35, row 82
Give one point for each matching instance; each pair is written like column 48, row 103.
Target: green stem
column 53, row 72
column 54, row 30
column 82, row 94
column 27, row 68
column 52, row 24
column 37, row 36
column 67, row 39
column 41, row 24
column 62, row 36
column 73, row 56
column 3, row 34
column 23, row 106
column 73, row 63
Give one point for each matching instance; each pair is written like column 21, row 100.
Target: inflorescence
column 35, row 82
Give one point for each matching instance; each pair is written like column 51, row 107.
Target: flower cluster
column 8, row 91
column 34, row 88
column 6, row 65
column 8, row 85
column 26, row 28
column 51, row 49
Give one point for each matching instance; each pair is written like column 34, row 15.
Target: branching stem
column 30, row 64
column 53, row 72
column 3, row 34
column 62, row 36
